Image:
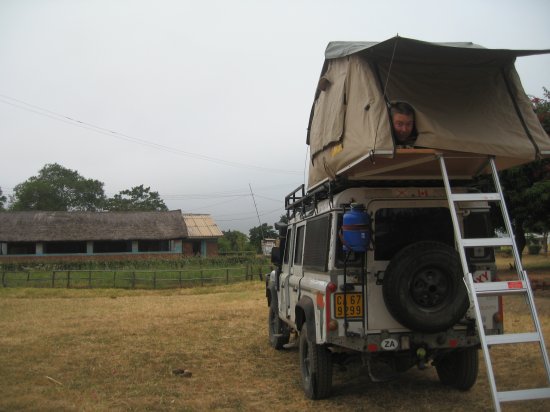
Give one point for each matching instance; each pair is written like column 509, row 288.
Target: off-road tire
column 459, row 368
column 315, row 366
column 279, row 332
column 423, row 287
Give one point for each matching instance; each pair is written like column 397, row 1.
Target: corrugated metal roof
column 201, row 226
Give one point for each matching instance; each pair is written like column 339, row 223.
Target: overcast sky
column 203, row 100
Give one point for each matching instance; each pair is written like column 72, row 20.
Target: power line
column 125, row 137
column 248, row 217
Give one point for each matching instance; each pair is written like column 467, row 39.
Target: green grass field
column 116, row 350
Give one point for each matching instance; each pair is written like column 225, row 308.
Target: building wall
column 187, row 248
column 200, row 247
column 212, row 247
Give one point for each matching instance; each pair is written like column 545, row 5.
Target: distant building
column 96, row 233
column 267, row 245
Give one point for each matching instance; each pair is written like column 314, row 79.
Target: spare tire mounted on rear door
column 424, row 288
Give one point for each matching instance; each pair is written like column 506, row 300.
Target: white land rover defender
column 409, row 295
column 403, row 302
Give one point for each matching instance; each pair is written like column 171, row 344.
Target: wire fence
column 133, row 279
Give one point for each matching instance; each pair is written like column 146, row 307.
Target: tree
column 58, row 188
column 256, row 234
column 137, row 198
column 524, row 190
column 527, row 189
column 284, row 218
column 538, row 197
column 541, row 106
column 2, row 200
column 233, row 241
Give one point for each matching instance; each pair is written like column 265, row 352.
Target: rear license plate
column 353, row 305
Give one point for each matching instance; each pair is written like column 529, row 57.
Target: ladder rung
column 525, row 394
column 487, row 241
column 512, row 338
column 500, row 288
column 519, row 286
column 472, row 197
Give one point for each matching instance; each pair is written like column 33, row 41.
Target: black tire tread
column 459, row 368
column 319, row 384
column 279, row 333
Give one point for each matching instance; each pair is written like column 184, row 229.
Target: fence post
column 260, row 273
column 227, row 276
column 68, row 279
column 4, row 279
column 246, row 272
column 28, row 276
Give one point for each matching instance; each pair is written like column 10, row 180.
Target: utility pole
column 257, row 214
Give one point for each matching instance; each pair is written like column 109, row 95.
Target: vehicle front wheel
column 459, row 368
column 315, row 366
column 279, row 332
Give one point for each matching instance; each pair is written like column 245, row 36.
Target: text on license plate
column 354, row 305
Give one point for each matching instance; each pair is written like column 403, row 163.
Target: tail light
column 331, row 323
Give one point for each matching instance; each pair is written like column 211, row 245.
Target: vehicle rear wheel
column 315, row 366
column 424, row 288
column 279, row 332
column 459, row 368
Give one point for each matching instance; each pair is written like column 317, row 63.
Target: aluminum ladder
column 499, row 288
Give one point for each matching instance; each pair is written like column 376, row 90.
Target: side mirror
column 281, row 227
column 276, row 255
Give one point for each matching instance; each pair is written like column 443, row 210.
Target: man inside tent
column 403, row 123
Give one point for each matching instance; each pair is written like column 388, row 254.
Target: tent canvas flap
column 477, row 106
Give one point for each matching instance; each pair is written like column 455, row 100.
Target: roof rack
column 298, row 201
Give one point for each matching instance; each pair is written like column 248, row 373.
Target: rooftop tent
column 468, row 100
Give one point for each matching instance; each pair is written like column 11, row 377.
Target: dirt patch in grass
column 117, row 349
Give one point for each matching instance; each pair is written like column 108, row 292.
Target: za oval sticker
column 389, row 344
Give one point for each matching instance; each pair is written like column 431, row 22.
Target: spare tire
column 423, row 287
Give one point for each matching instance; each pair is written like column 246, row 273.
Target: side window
column 317, row 243
column 396, row 228
column 288, row 245
column 299, row 245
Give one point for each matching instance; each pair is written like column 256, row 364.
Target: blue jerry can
column 356, row 229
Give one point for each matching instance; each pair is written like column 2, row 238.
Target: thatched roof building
column 98, row 230
column 75, row 226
